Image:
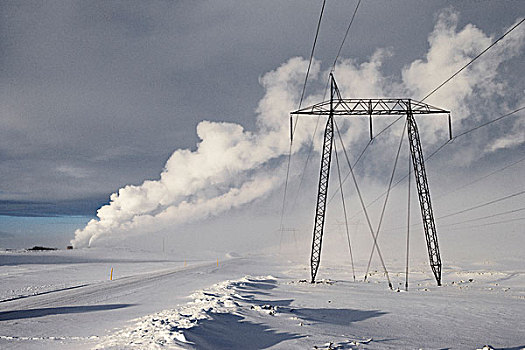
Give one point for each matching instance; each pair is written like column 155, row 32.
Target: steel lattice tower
column 322, row 192
column 337, row 106
column 424, row 196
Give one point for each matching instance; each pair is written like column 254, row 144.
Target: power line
column 472, row 61
column 473, row 208
column 439, row 149
column 488, row 224
column 489, row 122
column 310, row 149
column 436, row 89
column 387, row 195
column 344, row 210
column 300, row 103
column 477, row 180
column 482, row 178
column 482, row 205
column 340, row 48
column 473, row 129
column 361, row 155
column 344, row 38
column 464, row 133
column 430, row 93
column 309, row 64
column 284, row 195
column 484, row 217
column 364, row 208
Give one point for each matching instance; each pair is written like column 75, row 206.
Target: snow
column 64, row 299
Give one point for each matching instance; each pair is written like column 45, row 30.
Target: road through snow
column 57, row 318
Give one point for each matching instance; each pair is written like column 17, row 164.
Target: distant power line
column 482, row 177
column 473, row 208
column 294, row 127
column 472, row 61
column 309, row 63
column 443, row 146
column 484, row 217
column 488, row 224
column 489, row 122
column 483, row 205
column 326, row 89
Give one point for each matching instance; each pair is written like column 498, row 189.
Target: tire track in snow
column 95, row 292
column 42, row 293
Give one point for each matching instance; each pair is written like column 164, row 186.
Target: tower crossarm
column 369, row 107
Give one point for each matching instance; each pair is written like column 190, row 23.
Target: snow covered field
column 64, row 300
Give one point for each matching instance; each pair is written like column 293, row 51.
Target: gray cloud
column 97, row 95
column 227, row 168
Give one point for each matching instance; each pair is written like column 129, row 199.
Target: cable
column 311, row 147
column 408, row 220
column 295, row 126
column 472, row 61
column 284, row 196
column 361, row 155
column 488, row 224
column 340, row 48
column 344, row 39
column 438, row 150
column 363, row 206
column 386, row 198
column 481, row 178
column 430, row 93
column 482, row 205
column 473, row 129
column 344, row 210
column 309, row 64
column 324, row 95
column 476, row 207
column 484, row 217
column 347, row 175
column 489, row 122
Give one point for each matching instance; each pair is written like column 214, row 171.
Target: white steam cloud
column 226, row 170
column 232, row 167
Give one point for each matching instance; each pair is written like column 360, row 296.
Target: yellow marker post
column 184, row 263
column 111, row 275
column 217, row 262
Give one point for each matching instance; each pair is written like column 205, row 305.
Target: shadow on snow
column 31, row 313
column 341, row 317
column 227, row 331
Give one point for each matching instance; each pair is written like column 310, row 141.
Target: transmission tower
column 337, row 106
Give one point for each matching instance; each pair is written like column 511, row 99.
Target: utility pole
column 339, row 107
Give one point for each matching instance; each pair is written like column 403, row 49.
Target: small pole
column 449, row 127
column 371, row 136
column 291, row 128
column 370, row 114
column 111, row 275
column 217, row 262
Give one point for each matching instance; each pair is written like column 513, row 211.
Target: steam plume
column 231, row 166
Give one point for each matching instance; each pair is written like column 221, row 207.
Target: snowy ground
column 64, row 300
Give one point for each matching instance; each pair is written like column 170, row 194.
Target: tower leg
column 321, row 198
column 424, row 197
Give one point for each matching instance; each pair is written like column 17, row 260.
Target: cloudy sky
column 178, row 110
